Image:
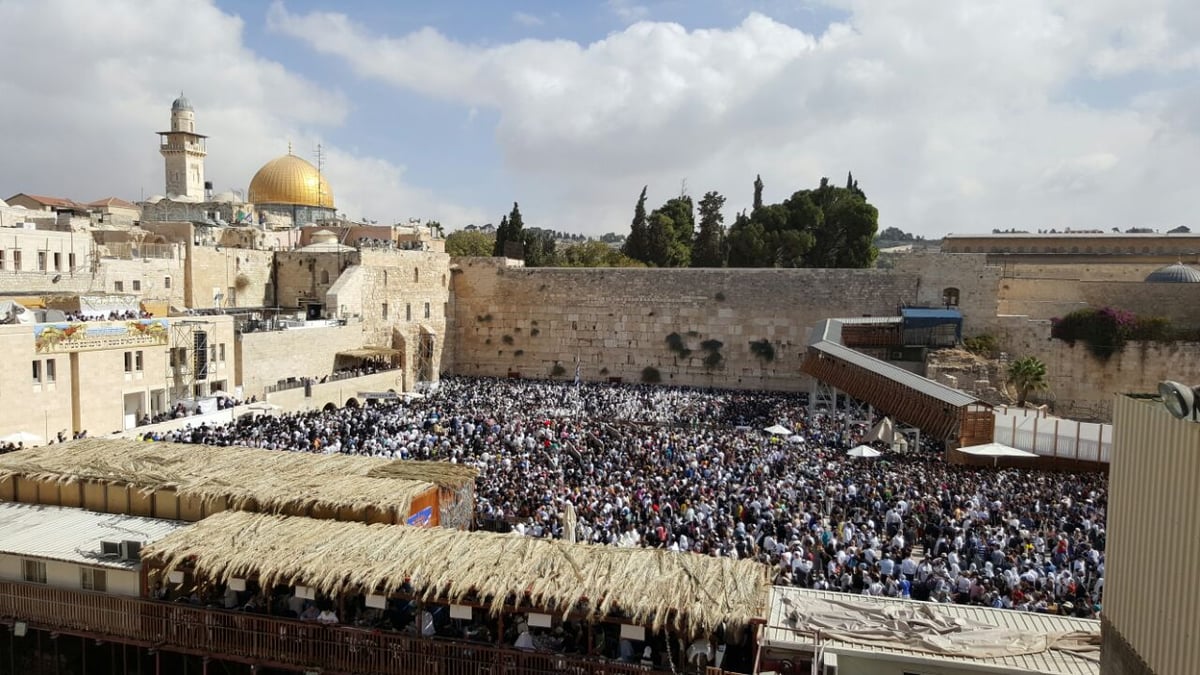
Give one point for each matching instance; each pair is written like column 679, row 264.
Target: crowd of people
column 128, row 315
column 692, row 470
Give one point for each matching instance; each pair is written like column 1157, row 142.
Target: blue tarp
column 917, row 318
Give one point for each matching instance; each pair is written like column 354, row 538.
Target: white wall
column 66, row 575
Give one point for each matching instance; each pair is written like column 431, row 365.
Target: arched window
column 324, row 276
column 950, row 297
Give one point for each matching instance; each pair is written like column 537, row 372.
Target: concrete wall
column 268, row 357
column 616, row 321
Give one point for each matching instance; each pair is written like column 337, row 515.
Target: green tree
column 595, row 254
column 1027, row 374
column 539, row 246
column 758, row 188
column 470, row 243
column 512, row 229
column 637, row 244
column 501, row 237
column 829, row 226
column 709, row 249
column 680, row 226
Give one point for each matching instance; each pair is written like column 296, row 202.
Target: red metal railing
column 277, row 642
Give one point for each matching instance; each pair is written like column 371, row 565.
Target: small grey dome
column 181, row 103
column 1175, row 274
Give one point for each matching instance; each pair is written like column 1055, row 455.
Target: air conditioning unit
column 131, row 550
column 829, row 664
column 110, row 548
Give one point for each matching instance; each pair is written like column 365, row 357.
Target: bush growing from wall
column 1106, row 330
column 650, row 375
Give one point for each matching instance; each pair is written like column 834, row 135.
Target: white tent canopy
column 778, row 430
column 863, row 451
column 995, row 450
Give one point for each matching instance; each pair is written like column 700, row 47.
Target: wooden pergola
column 940, row 411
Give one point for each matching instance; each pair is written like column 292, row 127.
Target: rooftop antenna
column 320, row 168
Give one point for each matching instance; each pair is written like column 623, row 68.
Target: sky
column 953, row 116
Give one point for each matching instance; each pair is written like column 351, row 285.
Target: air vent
column 131, row 550
column 110, row 548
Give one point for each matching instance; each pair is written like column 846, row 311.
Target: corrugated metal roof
column 913, row 381
column 1050, row 662
column 74, row 535
column 930, row 313
column 869, row 320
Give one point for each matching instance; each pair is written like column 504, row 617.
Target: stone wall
column 242, row 277
column 406, row 295
column 617, row 321
column 305, row 277
column 268, row 357
column 1082, row 386
column 976, row 280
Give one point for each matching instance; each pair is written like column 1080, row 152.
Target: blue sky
column 954, row 117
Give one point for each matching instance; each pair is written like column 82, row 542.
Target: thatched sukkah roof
column 654, row 587
column 264, row 480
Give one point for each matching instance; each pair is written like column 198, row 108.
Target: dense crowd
column 692, row 470
column 80, row 317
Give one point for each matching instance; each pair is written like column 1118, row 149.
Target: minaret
column 183, row 152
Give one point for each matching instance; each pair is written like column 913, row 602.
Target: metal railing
column 333, row 377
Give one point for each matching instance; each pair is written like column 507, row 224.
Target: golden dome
column 290, row 180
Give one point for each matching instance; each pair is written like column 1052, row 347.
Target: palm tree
column 1027, row 374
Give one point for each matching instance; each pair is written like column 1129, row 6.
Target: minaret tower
column 183, row 152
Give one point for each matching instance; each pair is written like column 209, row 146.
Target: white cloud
column 953, row 117
column 527, row 19
column 628, row 11
column 89, row 82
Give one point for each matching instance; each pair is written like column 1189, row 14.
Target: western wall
column 616, row 323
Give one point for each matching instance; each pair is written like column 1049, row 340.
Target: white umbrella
column 863, row 451
column 778, row 430
column 995, row 451
column 220, row 394
column 796, row 438
column 21, row 437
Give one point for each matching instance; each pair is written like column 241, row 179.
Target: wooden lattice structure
column 939, row 411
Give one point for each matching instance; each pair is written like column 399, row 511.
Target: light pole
column 1180, row 400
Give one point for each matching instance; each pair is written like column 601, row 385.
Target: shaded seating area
column 496, row 594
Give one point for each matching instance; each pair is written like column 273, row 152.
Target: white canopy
column 778, row 430
column 21, row 437
column 995, row 450
column 863, row 451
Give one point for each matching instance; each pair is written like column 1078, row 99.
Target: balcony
column 276, row 643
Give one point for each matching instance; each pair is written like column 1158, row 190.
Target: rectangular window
column 427, row 310
column 119, row 286
column 129, row 362
column 138, row 363
column 57, row 262
column 17, row 260
column 91, row 579
column 71, row 261
column 166, row 282
column 137, row 284
column 34, row 571
column 408, row 312
column 41, row 261
column 221, row 352
column 37, row 372
column 383, row 309
column 3, row 255
column 50, row 370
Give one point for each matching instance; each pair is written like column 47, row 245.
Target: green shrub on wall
column 558, row 370
column 1107, row 330
column 650, row 375
column 676, row 344
column 983, row 345
column 763, row 349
